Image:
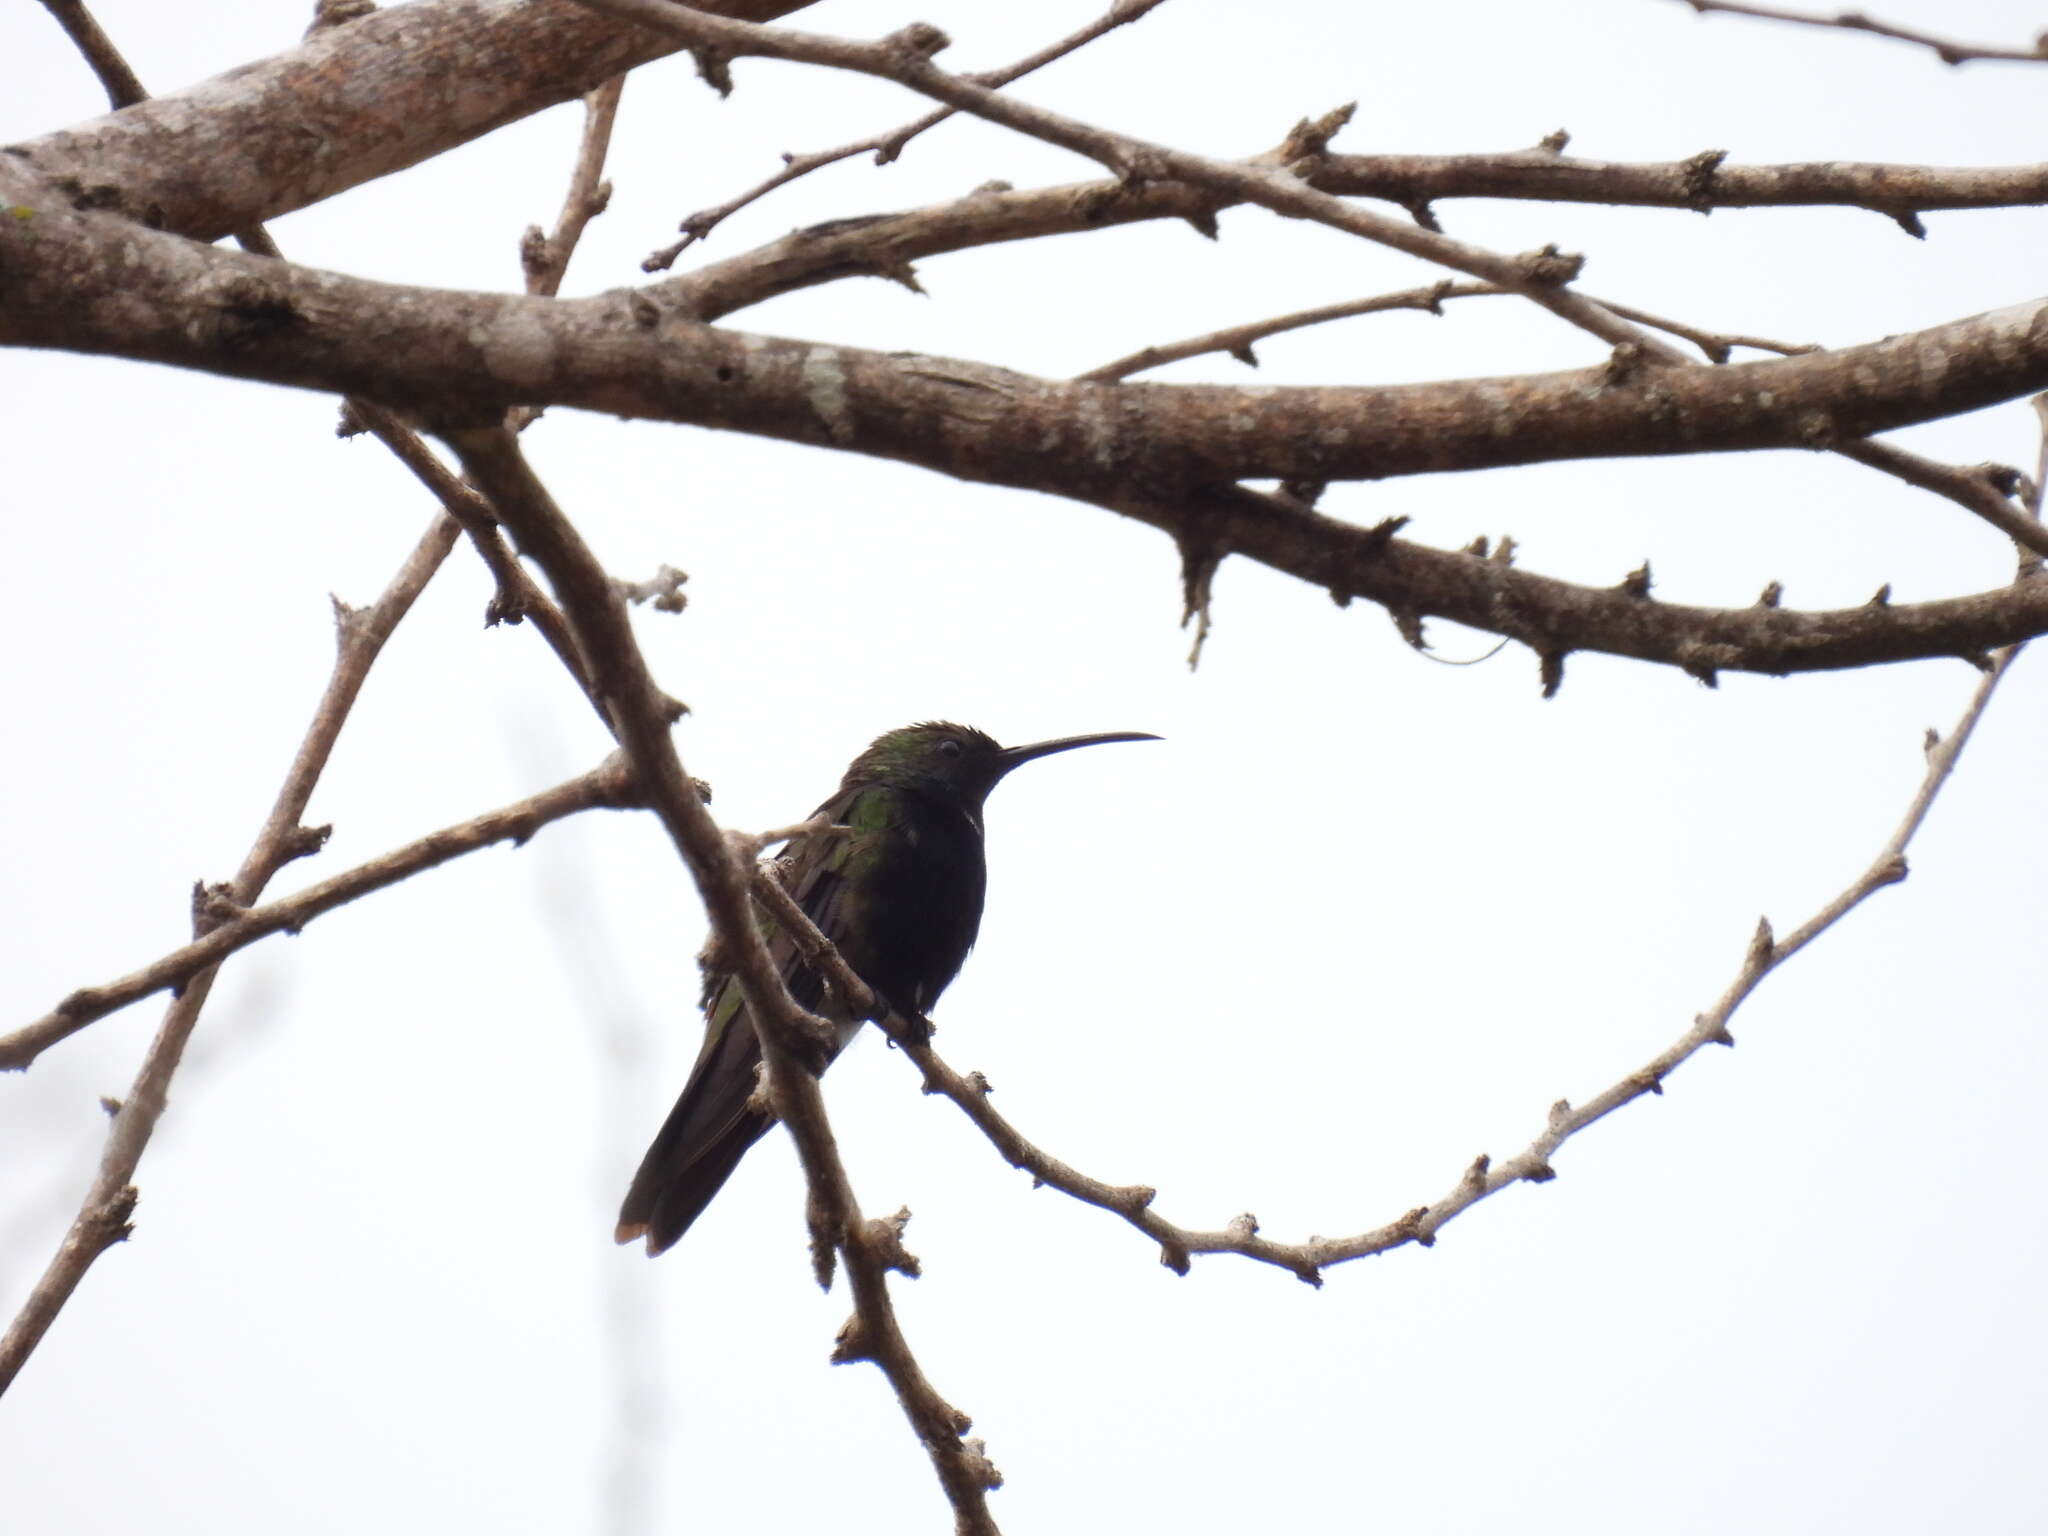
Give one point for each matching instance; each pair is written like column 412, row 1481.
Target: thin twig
column 1237, row 340
column 608, row 786
column 1543, row 277
column 1947, row 50
column 636, row 705
column 1484, row 1177
column 122, row 86
column 102, row 1219
column 888, row 146
column 546, row 257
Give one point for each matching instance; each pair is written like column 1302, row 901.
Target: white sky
column 1360, row 918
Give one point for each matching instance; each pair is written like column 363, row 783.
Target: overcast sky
column 1358, row 919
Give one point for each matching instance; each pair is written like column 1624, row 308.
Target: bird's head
column 957, row 762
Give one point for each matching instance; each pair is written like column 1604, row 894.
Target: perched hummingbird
column 898, row 892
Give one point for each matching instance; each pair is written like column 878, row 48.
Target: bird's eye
column 949, row 748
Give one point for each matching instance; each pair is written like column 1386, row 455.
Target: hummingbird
column 896, row 883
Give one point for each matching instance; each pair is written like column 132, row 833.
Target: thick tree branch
column 347, row 106
column 608, row 786
column 1160, row 453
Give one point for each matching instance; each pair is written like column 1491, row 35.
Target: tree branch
column 102, row 1219
column 609, row 786
column 1947, row 51
column 887, row 146
column 604, row 633
column 1484, row 1177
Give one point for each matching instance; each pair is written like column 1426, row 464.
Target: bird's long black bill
column 1014, row 756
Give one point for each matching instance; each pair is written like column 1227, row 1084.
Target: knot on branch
column 212, row 906
column 1549, row 267
column 917, row 43
column 883, row 1238
column 1623, row 364
column 248, row 309
column 1696, row 179
column 1704, row 660
column 974, row 1461
column 1243, row 1228
column 850, row 1344
column 334, row 13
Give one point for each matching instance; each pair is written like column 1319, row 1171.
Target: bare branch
column 546, row 257
column 888, row 146
column 102, row 1219
column 608, row 786
column 604, row 632
column 1484, row 1177
column 1948, row 51
column 230, row 153
column 1542, row 277
column 123, row 88
column 1237, row 340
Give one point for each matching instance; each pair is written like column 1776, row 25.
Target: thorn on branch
column 303, row 842
column 1882, row 598
column 885, row 1240
column 1174, row 1257
column 1477, row 547
column 1772, row 595
column 1380, row 535
column 1552, row 673
column 1310, row 138
column 1909, row 221
column 850, row 1344
column 111, row 1106
column 1504, row 552
column 1895, row 869
column 919, row 42
column 1554, row 142
column 1304, row 492
column 1409, row 623
column 1203, row 221
column 1423, row 212
column 1930, row 741
column 1763, row 945
column 1636, row 583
